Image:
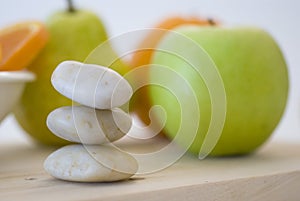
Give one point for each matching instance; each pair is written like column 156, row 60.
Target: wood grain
column 273, row 173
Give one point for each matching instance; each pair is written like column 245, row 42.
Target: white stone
column 90, row 163
column 91, row 85
column 89, row 126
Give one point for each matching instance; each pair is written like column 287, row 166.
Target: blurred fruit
column 140, row 101
column 73, row 35
column 143, row 56
column 0, row 53
column 20, row 44
column 255, row 78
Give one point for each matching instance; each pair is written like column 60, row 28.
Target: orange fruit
column 152, row 39
column 140, row 103
column 20, row 44
column 0, row 53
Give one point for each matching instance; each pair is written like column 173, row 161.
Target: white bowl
column 11, row 87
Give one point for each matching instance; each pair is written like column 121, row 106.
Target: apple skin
column 73, row 35
column 256, row 83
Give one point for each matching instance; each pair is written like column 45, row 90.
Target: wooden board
column 273, row 173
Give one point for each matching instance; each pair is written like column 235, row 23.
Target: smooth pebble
column 90, row 163
column 89, row 126
column 91, row 85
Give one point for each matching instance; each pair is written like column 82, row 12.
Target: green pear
column 255, row 79
column 73, row 35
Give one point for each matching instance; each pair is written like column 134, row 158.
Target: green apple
column 255, row 79
column 73, row 35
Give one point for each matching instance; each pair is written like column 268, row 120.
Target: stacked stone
column 92, row 124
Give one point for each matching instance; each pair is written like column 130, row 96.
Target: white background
column 279, row 17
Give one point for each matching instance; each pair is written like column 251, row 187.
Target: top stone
column 91, row 85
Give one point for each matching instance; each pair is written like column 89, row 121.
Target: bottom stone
column 90, row 163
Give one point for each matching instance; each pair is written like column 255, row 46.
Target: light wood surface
column 273, row 173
